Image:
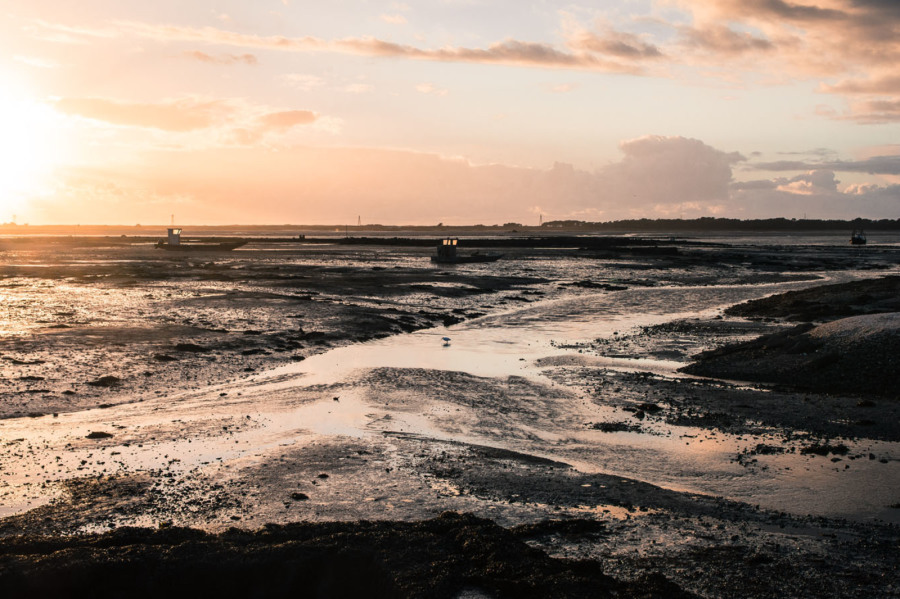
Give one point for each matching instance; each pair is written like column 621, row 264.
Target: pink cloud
column 657, row 175
column 721, row 40
column 613, row 43
column 814, row 182
column 881, row 85
column 224, row 59
column 877, row 111
column 813, row 39
column 178, row 116
column 507, row 52
column 282, row 121
column 855, row 42
column 241, row 124
column 663, row 170
column 272, row 122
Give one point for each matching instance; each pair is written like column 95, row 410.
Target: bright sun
column 28, row 150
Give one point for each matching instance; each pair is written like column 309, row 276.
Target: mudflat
column 287, row 418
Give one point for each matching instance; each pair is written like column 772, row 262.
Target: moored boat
column 446, row 254
column 173, row 244
column 858, row 237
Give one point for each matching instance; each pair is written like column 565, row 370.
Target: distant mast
column 173, row 221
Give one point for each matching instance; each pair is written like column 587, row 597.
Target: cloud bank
column 851, row 46
column 231, row 119
column 656, row 177
column 178, row 116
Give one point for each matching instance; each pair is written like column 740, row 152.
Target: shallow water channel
column 327, row 395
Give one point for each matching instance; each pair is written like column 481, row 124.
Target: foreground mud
column 555, row 426
column 450, row 556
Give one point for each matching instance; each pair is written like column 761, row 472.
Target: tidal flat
column 616, row 422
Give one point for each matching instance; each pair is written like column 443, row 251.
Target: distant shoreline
column 550, row 228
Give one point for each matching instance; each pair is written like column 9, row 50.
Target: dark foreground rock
column 826, row 302
column 856, row 355
column 856, row 351
column 442, row 557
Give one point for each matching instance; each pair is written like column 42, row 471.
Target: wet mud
column 285, row 420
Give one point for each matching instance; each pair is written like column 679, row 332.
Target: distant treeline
column 550, row 227
column 726, row 224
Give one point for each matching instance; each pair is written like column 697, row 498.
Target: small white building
column 175, row 236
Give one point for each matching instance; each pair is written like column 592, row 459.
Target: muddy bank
column 858, row 356
column 99, row 321
column 450, row 556
column 826, row 302
column 584, row 536
column 856, row 351
column 444, row 557
column 93, row 326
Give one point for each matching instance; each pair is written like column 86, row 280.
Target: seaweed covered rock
column 855, row 355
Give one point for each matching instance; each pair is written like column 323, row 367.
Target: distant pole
column 359, row 221
column 173, row 220
column 540, row 220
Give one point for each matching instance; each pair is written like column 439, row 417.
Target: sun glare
column 28, row 150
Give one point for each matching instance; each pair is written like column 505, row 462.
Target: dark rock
column 106, row 381
column 254, row 352
column 615, row 427
column 19, row 362
column 825, row 449
column 98, row 435
column 299, row 496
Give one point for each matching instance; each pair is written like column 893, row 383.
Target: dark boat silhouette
column 858, row 237
column 174, row 244
column 446, row 254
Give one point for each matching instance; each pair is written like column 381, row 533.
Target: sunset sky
column 453, row 111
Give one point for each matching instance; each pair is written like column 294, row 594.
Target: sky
column 447, row 111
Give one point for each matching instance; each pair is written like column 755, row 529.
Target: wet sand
column 282, row 385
